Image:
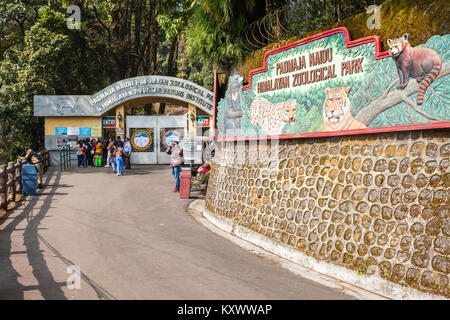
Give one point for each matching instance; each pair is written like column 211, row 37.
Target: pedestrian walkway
column 132, row 238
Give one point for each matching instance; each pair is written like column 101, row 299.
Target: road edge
column 305, row 266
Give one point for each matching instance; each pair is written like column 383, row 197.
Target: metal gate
column 149, row 136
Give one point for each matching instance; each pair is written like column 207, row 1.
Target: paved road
column 132, row 239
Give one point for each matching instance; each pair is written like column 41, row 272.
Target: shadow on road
column 10, row 288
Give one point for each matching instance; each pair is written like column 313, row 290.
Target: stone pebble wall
column 378, row 204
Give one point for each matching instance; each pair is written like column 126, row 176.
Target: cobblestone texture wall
column 378, row 204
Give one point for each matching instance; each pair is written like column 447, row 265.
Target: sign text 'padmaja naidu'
column 327, row 85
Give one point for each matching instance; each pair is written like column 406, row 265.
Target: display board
column 169, row 135
column 142, row 139
column 328, row 85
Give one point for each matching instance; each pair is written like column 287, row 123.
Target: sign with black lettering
column 165, row 88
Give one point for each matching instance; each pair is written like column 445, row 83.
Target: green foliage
column 214, row 30
column 421, row 19
column 40, row 55
column 202, row 76
column 34, row 68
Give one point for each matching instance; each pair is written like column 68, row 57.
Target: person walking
column 108, row 148
column 32, row 157
column 119, row 156
column 81, row 152
column 176, row 159
column 127, row 148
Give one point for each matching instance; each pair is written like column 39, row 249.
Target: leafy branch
column 390, row 99
column 413, row 106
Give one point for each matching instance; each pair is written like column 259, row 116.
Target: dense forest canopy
column 41, row 54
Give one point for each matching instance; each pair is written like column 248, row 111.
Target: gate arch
column 163, row 88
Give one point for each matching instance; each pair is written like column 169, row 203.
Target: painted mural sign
column 327, row 85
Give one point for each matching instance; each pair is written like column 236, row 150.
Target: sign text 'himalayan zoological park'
column 328, row 85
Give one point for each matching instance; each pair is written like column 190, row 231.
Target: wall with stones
column 378, row 204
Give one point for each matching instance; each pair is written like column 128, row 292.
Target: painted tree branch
column 367, row 114
column 413, row 106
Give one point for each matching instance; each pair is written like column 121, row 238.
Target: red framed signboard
column 328, row 85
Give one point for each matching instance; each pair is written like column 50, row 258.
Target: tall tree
column 215, row 30
column 36, row 67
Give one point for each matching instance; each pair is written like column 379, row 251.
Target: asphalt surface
column 131, row 238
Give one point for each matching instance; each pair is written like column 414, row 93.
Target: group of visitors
column 113, row 153
column 87, row 150
column 118, row 155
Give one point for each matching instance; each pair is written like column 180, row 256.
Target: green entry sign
column 109, row 122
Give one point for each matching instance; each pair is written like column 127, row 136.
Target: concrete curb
column 330, row 275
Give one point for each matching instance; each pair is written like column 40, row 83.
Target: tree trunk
column 170, row 59
column 154, row 5
column 169, row 69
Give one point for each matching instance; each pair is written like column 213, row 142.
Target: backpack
column 83, row 149
column 35, row 154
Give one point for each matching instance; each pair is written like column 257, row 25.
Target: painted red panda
column 422, row 64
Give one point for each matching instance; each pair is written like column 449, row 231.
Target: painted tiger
column 336, row 110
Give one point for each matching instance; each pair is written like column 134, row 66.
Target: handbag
column 92, row 152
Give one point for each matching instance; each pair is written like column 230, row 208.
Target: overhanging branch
column 413, row 106
column 367, row 114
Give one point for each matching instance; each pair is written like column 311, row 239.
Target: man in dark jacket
column 88, row 160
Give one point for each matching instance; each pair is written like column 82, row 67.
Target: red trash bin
column 185, row 183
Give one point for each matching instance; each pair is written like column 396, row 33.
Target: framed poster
column 169, row 135
column 96, row 132
column 73, row 131
column 142, row 139
column 85, row 132
column 203, row 121
column 60, row 131
column 61, row 141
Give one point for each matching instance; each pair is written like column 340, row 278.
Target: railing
column 11, row 182
column 65, row 158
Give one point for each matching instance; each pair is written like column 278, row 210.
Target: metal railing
column 11, row 181
column 65, row 158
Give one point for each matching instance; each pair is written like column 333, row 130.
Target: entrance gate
column 150, row 135
column 72, row 118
